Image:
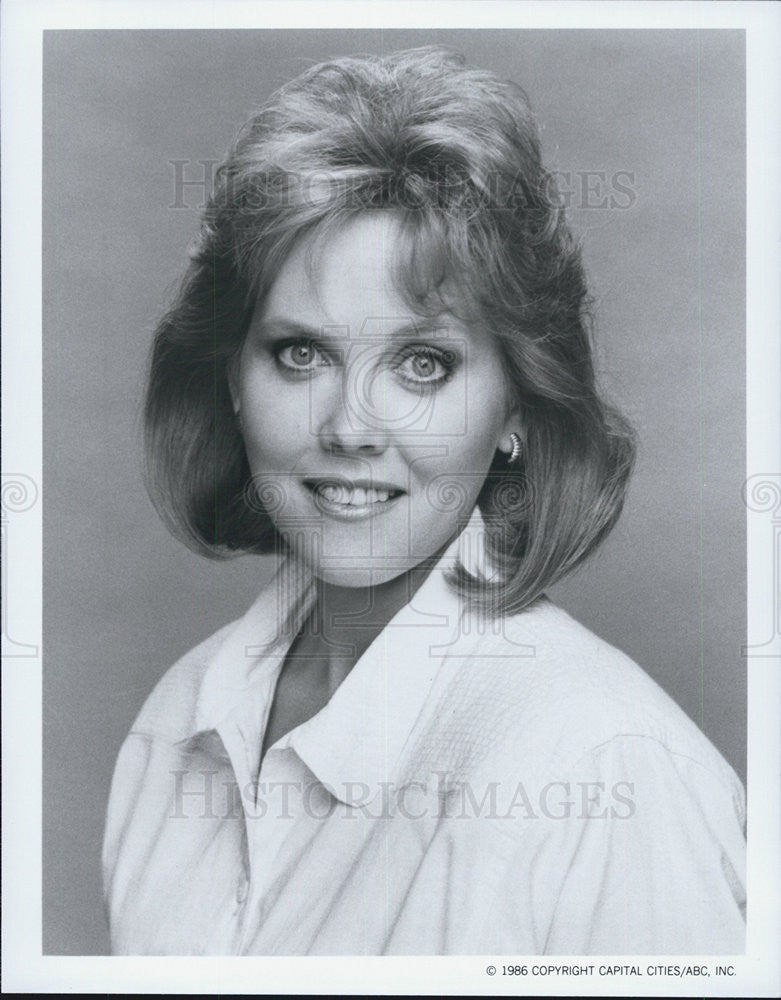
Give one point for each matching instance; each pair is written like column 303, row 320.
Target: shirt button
column 241, row 890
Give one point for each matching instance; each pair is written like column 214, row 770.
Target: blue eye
column 300, row 356
column 423, row 365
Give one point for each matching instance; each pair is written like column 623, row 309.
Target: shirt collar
column 257, row 644
column 360, row 734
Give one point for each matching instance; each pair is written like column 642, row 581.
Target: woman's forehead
column 364, row 265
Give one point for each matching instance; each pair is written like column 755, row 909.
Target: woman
column 378, row 368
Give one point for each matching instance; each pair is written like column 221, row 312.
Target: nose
column 351, row 421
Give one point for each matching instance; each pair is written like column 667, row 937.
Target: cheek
column 274, row 421
column 449, row 483
column 483, row 421
column 470, row 432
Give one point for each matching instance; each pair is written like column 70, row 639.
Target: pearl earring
column 515, row 453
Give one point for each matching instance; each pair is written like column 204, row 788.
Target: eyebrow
column 280, row 326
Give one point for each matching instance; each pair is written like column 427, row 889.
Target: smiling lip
column 352, row 499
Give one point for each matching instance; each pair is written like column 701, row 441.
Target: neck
column 350, row 618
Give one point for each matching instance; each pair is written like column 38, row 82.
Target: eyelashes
column 413, row 364
column 424, row 365
column 301, row 356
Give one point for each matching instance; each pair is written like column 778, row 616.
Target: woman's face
column 369, row 429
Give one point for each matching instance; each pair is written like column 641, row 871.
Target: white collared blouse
column 514, row 788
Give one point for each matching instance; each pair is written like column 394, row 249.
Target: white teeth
column 352, row 497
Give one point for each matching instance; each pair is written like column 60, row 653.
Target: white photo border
column 25, row 969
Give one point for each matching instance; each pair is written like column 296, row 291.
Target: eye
column 300, row 356
column 423, row 365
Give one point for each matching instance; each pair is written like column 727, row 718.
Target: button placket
column 267, row 833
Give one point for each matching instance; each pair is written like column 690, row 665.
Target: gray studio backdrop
column 647, row 131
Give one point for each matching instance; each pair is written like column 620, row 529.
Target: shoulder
column 542, row 687
column 170, row 709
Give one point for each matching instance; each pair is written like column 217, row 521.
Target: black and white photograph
column 403, row 499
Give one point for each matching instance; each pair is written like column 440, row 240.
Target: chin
column 339, row 575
